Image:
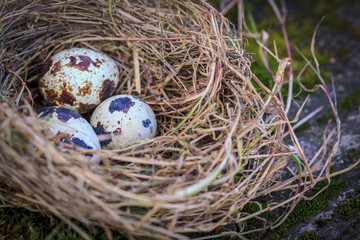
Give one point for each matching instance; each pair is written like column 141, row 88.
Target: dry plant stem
column 124, row 39
column 333, row 106
column 137, row 71
column 282, row 21
column 305, row 119
column 254, row 36
column 228, row 7
column 265, row 37
column 283, row 186
column 240, row 6
column 334, row 174
column 223, row 234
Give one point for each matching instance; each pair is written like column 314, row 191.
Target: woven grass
column 220, row 138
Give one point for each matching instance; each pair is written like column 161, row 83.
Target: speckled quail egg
column 78, row 78
column 126, row 118
column 68, row 126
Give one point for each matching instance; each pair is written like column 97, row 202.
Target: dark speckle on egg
column 106, row 89
column 121, row 104
column 117, row 132
column 64, row 138
column 99, row 129
column 85, row 90
column 56, row 68
column 82, row 144
column 64, row 114
column 82, row 65
column 46, row 111
column 45, row 70
column 84, row 107
column 146, row 123
column 139, row 99
column 51, row 95
column 84, row 62
column 66, row 97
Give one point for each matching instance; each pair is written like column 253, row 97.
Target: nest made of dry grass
column 220, row 139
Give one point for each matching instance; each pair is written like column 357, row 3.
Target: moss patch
column 348, row 102
column 258, row 13
column 303, row 127
column 299, row 37
column 309, row 235
column 302, row 211
column 348, row 230
column 351, row 208
column 321, row 222
column 353, row 154
column 19, row 223
column 255, row 223
column 306, row 209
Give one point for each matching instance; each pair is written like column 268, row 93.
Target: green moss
column 302, row 211
column 358, row 219
column 353, row 154
column 19, row 223
column 299, row 32
column 309, row 235
column 326, row 116
column 346, row 103
column 216, row 231
column 332, row 22
column 303, row 127
column 306, row 209
column 348, row 230
column 255, row 223
column 350, row 209
column 351, row 100
column 321, row 222
column 299, row 36
column 16, row 223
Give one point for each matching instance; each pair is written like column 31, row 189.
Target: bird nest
column 220, row 130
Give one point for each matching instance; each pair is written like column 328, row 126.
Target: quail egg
column 69, row 127
column 78, row 78
column 127, row 119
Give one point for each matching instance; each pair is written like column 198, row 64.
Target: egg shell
column 78, row 78
column 69, row 125
column 127, row 118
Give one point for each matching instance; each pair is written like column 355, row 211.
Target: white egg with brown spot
column 69, row 127
column 79, row 79
column 126, row 119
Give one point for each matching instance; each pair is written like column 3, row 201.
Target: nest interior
column 220, row 131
